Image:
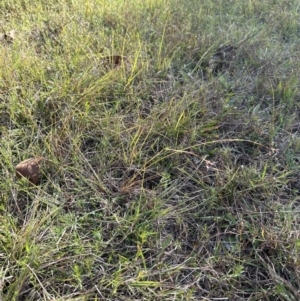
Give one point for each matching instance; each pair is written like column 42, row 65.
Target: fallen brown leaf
column 29, row 169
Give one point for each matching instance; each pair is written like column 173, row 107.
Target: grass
column 171, row 176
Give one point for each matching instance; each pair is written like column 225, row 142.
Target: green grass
column 162, row 179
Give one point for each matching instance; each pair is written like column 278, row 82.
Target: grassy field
column 171, row 162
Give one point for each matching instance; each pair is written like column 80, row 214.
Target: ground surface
column 170, row 170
